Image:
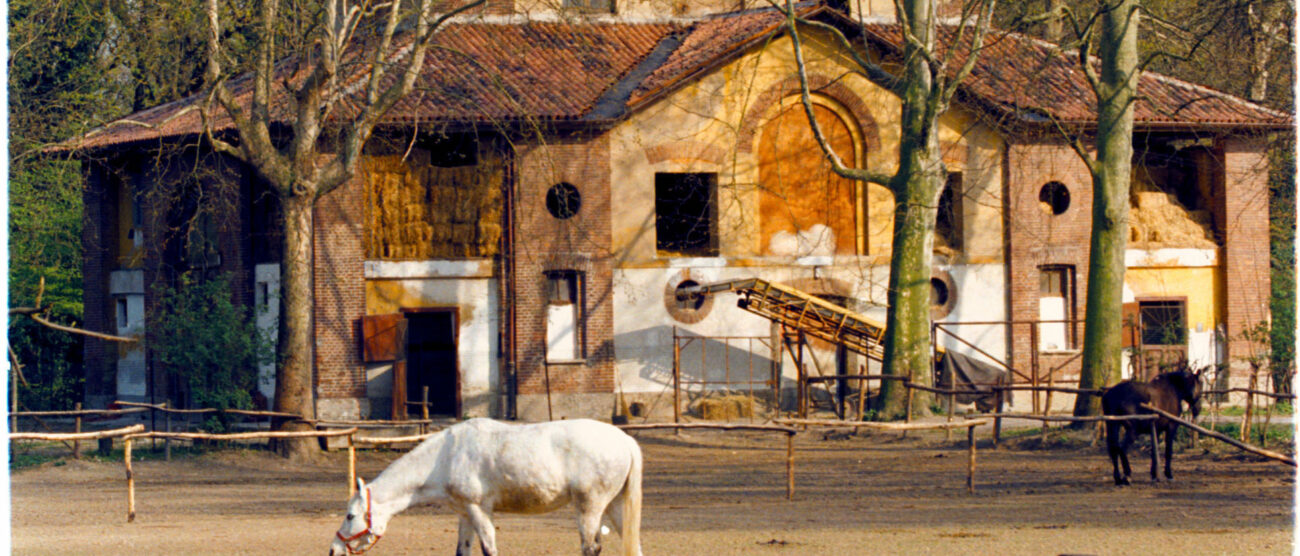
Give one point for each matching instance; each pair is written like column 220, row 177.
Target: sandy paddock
column 706, row 493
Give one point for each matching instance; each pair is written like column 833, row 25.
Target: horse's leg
column 614, row 513
column 1169, row 450
column 1125, row 441
column 592, row 507
column 465, row 537
column 1155, row 453
column 1112, row 448
column 482, row 524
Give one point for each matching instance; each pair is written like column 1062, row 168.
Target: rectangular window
column 1056, row 308
column 564, row 316
column 122, row 315
column 1164, row 322
column 685, row 219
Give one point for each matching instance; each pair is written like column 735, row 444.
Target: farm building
column 522, row 224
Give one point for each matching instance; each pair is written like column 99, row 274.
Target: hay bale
column 724, row 408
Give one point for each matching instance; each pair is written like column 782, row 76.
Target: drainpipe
column 508, row 279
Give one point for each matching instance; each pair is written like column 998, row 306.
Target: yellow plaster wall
column 391, row 296
column 697, row 129
column 1202, row 286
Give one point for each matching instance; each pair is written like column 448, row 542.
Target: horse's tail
column 632, row 505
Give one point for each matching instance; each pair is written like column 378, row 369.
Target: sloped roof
column 1033, row 81
column 506, row 70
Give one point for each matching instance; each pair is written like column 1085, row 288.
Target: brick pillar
column 1037, row 237
column 581, row 243
column 339, row 289
column 96, row 237
column 1245, row 235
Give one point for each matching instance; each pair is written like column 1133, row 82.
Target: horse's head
column 1189, row 388
column 360, row 530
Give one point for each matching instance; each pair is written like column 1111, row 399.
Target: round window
column 1054, row 197
column 688, row 309
column 943, row 294
column 563, row 200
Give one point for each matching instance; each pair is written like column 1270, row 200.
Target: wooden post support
column 970, row 460
column 424, row 403
column 789, row 467
column 907, row 408
column 130, row 481
column 952, row 400
column 76, row 444
column 997, row 421
column 352, row 464
column 677, row 380
column 167, row 442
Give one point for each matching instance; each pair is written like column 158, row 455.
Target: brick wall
column 1036, row 237
column 581, row 243
column 96, row 234
column 339, row 292
column 1245, row 227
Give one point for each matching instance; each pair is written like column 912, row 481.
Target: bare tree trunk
column 1116, row 90
column 907, row 332
column 293, row 386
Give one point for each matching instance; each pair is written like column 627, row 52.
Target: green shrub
column 209, row 344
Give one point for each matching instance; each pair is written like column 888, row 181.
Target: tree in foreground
column 929, row 76
column 319, row 80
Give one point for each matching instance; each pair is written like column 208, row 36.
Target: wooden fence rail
column 789, row 433
column 126, row 452
column 59, row 437
column 969, row 425
column 1212, row 434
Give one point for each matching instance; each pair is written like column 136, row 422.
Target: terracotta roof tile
column 512, row 71
column 1031, row 80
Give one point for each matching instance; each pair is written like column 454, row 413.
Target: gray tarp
column 974, row 375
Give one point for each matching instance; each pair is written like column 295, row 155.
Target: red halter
column 347, row 541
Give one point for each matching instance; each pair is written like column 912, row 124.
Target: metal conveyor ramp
column 802, row 311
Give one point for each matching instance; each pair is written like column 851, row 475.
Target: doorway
column 431, row 361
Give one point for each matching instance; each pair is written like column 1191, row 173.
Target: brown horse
column 1166, row 392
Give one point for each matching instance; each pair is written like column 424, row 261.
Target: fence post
column 970, row 460
column 677, row 379
column 789, row 466
column 167, row 442
column 130, row 481
column 352, row 464
column 76, row 444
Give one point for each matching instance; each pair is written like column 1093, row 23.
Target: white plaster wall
column 981, row 297
column 268, row 321
column 643, row 327
column 477, row 335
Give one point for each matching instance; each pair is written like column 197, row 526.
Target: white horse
column 482, row 466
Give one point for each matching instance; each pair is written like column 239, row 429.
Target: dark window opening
column 453, row 151
column 948, row 224
column 684, row 216
column 1054, row 197
column 563, row 200
column 201, row 249
column 1164, row 322
column 600, row 6
column 938, row 293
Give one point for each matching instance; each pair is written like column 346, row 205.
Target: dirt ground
column 705, row 493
